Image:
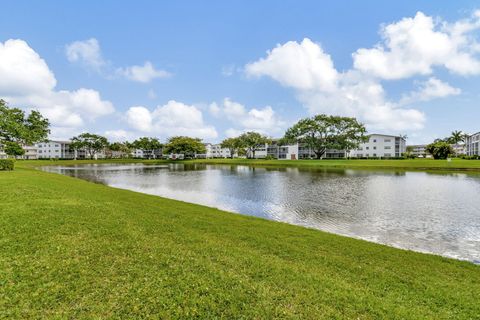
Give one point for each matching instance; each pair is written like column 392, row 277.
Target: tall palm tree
column 456, row 137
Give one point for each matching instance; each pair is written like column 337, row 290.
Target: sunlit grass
column 74, row 249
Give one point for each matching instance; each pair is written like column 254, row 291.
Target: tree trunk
column 319, row 153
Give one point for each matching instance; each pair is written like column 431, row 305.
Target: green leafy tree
column 13, row 149
column 456, row 137
column 122, row 147
column 15, row 126
column 322, row 132
column 252, row 141
column 232, row 144
column 146, row 143
column 184, row 145
column 440, row 149
column 91, row 143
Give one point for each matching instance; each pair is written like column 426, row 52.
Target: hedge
column 6, row 164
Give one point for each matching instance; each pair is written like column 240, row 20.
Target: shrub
column 6, row 164
column 463, row 156
column 440, row 150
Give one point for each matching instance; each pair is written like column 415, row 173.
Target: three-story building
column 380, row 146
column 472, row 145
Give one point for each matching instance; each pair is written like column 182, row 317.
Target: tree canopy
column 122, row 147
column 146, row 143
column 16, row 126
column 232, row 144
column 13, row 148
column 322, row 132
column 92, row 143
column 252, row 141
column 456, row 137
column 184, row 145
column 440, row 149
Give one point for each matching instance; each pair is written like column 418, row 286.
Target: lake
column 428, row 212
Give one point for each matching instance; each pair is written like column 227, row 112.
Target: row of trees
column 318, row 133
column 94, row 144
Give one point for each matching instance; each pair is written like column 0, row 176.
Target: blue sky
column 216, row 68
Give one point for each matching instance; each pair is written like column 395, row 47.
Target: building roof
column 385, row 135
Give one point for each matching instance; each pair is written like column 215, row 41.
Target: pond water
column 428, row 212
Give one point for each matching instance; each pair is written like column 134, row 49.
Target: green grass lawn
column 79, row 250
column 409, row 164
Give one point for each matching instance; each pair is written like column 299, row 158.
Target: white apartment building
column 62, row 150
column 293, row 152
column 214, row 151
column 30, row 153
column 459, row 149
column 472, row 145
column 148, row 154
column 55, row 150
column 380, row 146
column 419, row 151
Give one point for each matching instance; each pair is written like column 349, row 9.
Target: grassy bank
column 74, row 249
column 408, row 164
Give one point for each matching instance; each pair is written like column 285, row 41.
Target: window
column 374, row 154
column 388, row 140
column 388, row 147
column 360, row 148
column 374, row 148
column 374, row 140
column 367, row 148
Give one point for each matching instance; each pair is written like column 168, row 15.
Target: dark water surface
column 428, row 212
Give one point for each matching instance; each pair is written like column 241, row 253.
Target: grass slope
column 74, row 249
column 408, row 164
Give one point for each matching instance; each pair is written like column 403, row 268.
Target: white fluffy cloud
column 173, row 118
column 120, row 135
column 413, row 46
column 305, row 67
column 23, row 70
column 144, row 74
column 433, row 88
column 87, row 52
column 27, row 81
column 139, row 118
column 262, row 120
